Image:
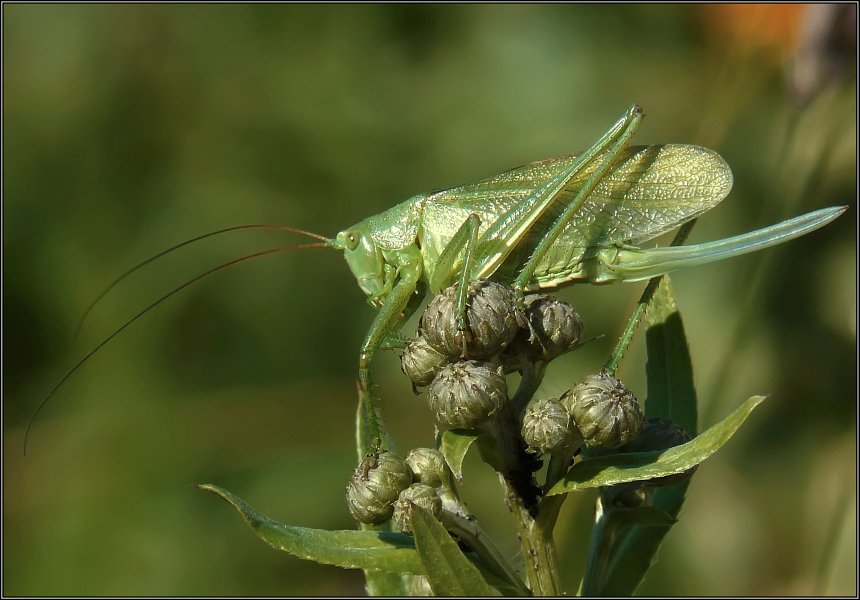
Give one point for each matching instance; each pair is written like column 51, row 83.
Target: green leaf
column 448, row 570
column 671, row 392
column 647, row 516
column 383, row 583
column 622, row 550
column 378, row 550
column 638, row 466
column 454, row 445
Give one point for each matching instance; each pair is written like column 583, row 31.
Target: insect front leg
column 388, row 320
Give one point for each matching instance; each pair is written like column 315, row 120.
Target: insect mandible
column 571, row 219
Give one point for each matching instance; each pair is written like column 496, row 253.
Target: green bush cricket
column 545, row 225
column 571, row 219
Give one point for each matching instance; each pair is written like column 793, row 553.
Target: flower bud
column 419, row 494
column 554, row 326
column 604, row 410
column 420, row 361
column 428, row 466
column 466, row 394
column 547, row 427
column 659, row 433
column 491, row 321
column 375, row 485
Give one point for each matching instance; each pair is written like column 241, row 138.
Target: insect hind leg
column 617, row 139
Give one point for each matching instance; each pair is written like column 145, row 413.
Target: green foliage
column 638, row 466
column 454, row 445
column 448, row 571
column 624, row 540
column 380, row 550
column 622, row 549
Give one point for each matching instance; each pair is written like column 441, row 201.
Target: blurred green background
column 129, row 128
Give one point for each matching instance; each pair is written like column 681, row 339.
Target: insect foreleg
column 631, row 123
column 387, row 321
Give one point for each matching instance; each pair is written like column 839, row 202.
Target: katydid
column 544, row 225
column 575, row 218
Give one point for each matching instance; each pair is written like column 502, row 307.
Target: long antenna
column 104, row 342
column 180, row 245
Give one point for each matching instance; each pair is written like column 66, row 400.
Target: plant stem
column 516, row 470
column 647, row 294
column 537, row 544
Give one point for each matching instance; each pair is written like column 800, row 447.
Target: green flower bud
column 554, row 327
column 419, row 494
column 420, row 361
column 604, row 410
column 428, row 466
column 659, row 433
column 547, row 427
column 466, row 394
column 375, row 485
column 491, row 320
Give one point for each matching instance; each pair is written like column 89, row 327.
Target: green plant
column 642, row 475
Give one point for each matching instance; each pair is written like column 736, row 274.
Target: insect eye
column 351, row 240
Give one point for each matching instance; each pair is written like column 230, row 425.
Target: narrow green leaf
column 624, row 542
column 622, row 551
column 636, row 548
column 383, row 583
column 454, row 445
column 671, row 392
column 379, row 550
column 638, row 466
column 647, row 516
column 448, row 570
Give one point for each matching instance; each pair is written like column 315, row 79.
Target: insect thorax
column 397, row 228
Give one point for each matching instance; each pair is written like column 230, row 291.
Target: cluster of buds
column 385, row 486
column 599, row 412
column 463, row 362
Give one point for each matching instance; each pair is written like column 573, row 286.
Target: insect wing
column 649, row 191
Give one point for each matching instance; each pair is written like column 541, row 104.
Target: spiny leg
column 387, row 320
column 484, row 253
column 631, row 123
column 500, row 239
column 395, row 340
